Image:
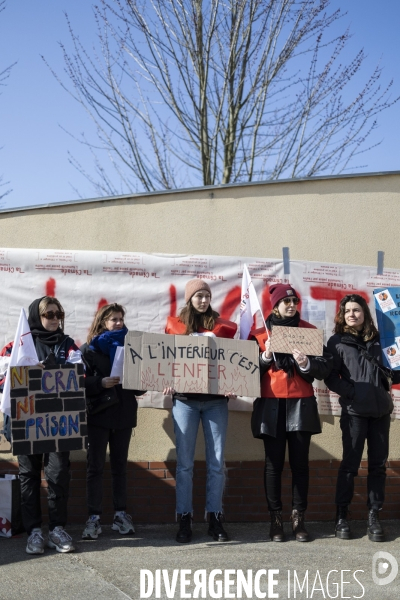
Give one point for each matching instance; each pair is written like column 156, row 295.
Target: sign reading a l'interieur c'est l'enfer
column 191, row 364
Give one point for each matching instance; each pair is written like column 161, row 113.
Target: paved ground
column 109, row 568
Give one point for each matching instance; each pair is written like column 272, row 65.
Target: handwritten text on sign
column 308, row 340
column 47, row 409
column 191, row 364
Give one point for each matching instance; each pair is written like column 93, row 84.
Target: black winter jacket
column 118, row 416
column 301, row 413
column 356, row 377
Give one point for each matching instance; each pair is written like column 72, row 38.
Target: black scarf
column 283, row 361
column 48, row 338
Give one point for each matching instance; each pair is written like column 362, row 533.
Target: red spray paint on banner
column 231, row 302
column 51, row 287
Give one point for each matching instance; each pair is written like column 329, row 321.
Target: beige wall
column 339, row 220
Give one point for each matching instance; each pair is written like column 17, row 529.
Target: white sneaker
column 92, row 529
column 123, row 524
column 35, row 543
column 60, row 540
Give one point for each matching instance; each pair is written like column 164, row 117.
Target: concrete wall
column 340, row 220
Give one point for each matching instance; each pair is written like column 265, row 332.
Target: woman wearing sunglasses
column 112, row 413
column 287, row 412
column 53, row 347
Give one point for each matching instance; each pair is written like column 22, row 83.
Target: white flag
column 249, row 305
column 23, row 354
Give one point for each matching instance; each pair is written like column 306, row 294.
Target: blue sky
column 33, row 106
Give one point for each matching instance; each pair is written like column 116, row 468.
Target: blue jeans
column 214, row 417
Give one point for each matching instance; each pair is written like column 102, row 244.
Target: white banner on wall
column 151, row 287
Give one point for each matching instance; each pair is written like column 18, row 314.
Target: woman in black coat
column 53, row 347
column 110, row 425
column 363, row 386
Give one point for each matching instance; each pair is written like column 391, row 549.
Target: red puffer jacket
column 223, row 328
column 275, row 383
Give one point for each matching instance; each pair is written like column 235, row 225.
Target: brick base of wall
column 151, row 491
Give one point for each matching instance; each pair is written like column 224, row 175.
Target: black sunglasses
column 287, row 301
column 51, row 314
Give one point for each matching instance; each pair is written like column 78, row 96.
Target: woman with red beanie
column 198, row 319
column 287, row 411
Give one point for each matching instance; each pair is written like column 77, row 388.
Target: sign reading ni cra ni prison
column 48, row 409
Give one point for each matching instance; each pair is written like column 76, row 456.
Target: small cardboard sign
column 48, row 409
column 191, row 364
column 310, row 341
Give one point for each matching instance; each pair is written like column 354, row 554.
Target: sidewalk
column 109, row 568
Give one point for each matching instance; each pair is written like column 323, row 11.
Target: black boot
column 276, row 532
column 299, row 531
column 342, row 527
column 184, row 534
column 215, row 528
column 374, row 530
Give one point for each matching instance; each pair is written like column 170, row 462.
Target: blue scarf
column 108, row 341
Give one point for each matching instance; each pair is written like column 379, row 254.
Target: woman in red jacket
column 197, row 318
column 287, row 412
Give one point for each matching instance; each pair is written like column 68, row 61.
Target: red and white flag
column 23, row 354
column 249, row 305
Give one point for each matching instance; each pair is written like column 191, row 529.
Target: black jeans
column 57, row 475
column 355, row 430
column 275, row 447
column 118, row 440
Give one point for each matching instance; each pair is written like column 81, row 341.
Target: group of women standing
column 285, row 414
column 111, row 418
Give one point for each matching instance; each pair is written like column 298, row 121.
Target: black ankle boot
column 184, row 534
column 215, row 528
column 374, row 530
column 342, row 527
column 299, row 531
column 276, row 532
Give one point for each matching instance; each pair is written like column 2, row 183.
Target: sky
column 36, row 113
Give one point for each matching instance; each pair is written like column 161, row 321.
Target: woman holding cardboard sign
column 363, row 384
column 53, row 347
column 112, row 414
column 287, row 411
column 197, row 318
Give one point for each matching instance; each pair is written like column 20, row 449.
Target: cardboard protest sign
column 191, row 364
column 48, row 409
column 5, row 446
column 307, row 340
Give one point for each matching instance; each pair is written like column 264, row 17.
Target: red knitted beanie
column 279, row 291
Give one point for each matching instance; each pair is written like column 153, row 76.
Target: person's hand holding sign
column 300, row 358
column 109, row 382
column 267, row 352
column 169, row 391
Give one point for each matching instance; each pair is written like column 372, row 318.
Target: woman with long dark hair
column 197, row 318
column 363, row 385
column 112, row 415
column 287, row 412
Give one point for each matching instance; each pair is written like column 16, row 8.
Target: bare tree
column 215, row 91
column 4, row 75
